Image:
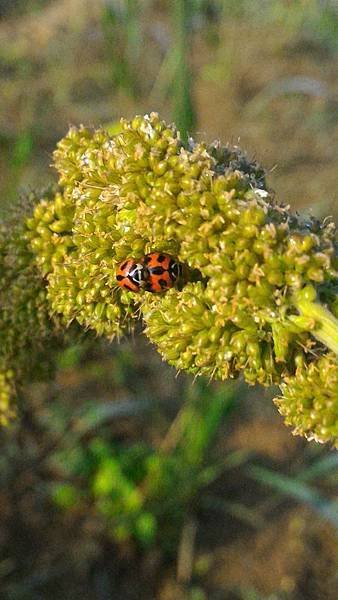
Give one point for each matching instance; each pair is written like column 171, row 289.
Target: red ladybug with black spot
column 131, row 275
column 162, row 272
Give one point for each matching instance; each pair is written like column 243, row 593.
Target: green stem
column 326, row 325
column 183, row 109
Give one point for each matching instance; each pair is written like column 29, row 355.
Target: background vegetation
column 120, row 479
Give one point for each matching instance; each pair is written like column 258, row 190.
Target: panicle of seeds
column 49, row 231
column 245, row 257
column 25, row 324
column 309, row 402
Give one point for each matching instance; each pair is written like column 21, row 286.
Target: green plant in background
column 142, row 493
column 121, row 24
column 95, row 486
column 298, row 487
column 20, row 154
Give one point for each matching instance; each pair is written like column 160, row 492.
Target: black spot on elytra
column 146, row 260
column 119, row 277
column 162, row 283
column 157, row 271
column 161, row 258
column 122, row 267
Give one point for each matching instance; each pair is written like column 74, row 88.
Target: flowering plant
column 258, row 295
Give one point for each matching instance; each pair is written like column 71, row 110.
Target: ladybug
column 131, row 275
column 162, row 271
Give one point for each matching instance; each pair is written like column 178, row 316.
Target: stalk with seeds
column 259, row 295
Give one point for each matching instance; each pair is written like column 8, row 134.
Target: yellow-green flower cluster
column 310, row 399
column 245, row 257
column 119, row 193
column 50, row 231
column 25, row 325
column 253, row 262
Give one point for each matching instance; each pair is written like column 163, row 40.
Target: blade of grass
column 327, row 509
column 235, row 509
column 320, row 468
column 205, row 411
column 231, row 461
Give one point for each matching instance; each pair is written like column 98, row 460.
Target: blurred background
column 120, row 479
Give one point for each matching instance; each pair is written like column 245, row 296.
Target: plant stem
column 326, row 325
column 183, row 110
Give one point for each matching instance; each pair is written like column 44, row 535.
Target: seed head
column 244, row 256
column 25, row 324
column 309, row 402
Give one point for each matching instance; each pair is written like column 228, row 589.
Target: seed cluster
column 123, row 191
column 25, row 325
column 310, row 399
column 50, row 231
column 245, row 257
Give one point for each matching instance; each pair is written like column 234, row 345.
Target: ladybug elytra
column 163, row 271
